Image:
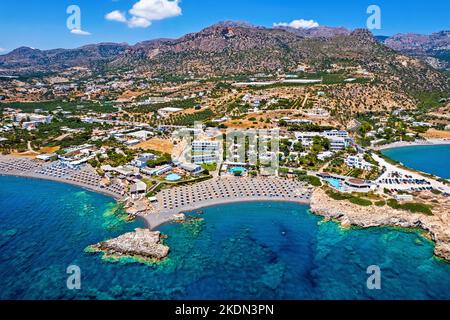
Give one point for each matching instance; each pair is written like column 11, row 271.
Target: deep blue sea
column 430, row 159
column 240, row 251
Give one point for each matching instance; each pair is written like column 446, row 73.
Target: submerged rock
column 140, row 244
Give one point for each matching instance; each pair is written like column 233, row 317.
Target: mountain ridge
column 433, row 48
column 229, row 47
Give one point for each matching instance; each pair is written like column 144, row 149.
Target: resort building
column 35, row 118
column 167, row 112
column 358, row 184
column 267, row 157
column 306, row 138
column 335, row 134
column 131, row 142
column 339, row 140
column 337, row 144
column 46, row 157
column 319, row 113
column 221, row 120
column 141, row 161
column 85, row 148
column 141, row 135
column 297, row 121
column 377, row 142
column 122, row 171
column 191, row 168
column 326, row 175
column 138, row 188
column 201, row 146
column 324, row 155
column 32, row 121
column 421, row 124
column 78, row 155
column 29, row 125
column 157, row 171
column 205, row 151
column 232, row 164
column 358, row 162
column 205, row 158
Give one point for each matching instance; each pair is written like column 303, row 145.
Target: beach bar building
column 138, row 188
column 358, row 184
column 191, row 168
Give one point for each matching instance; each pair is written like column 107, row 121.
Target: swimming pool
column 335, row 183
column 173, row 177
column 237, row 170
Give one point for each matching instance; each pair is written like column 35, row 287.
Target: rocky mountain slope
column 318, row 32
column 434, row 48
column 224, row 50
column 29, row 60
column 238, row 48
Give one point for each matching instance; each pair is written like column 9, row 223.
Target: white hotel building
column 199, row 146
column 358, row 162
column 306, row 138
column 204, row 151
column 337, row 144
column 339, row 140
column 336, row 134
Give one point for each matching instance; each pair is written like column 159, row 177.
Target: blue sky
column 42, row 23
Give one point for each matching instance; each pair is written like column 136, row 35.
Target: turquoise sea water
column 430, row 159
column 239, row 251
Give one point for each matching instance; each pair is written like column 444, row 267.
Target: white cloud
column 116, row 15
column 80, row 32
column 3, row 50
column 156, row 9
column 144, row 12
column 136, row 22
column 298, row 24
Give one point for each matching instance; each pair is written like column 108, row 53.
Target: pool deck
column 219, row 191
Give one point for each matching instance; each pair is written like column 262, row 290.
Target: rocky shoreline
column 141, row 244
column 437, row 226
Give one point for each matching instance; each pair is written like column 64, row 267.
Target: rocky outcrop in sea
column 140, row 244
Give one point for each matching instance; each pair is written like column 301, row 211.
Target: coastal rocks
column 135, row 208
column 141, row 244
column 437, row 226
column 179, row 218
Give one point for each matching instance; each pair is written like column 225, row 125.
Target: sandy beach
column 31, row 168
column 156, row 220
column 30, row 175
column 402, row 144
column 221, row 191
